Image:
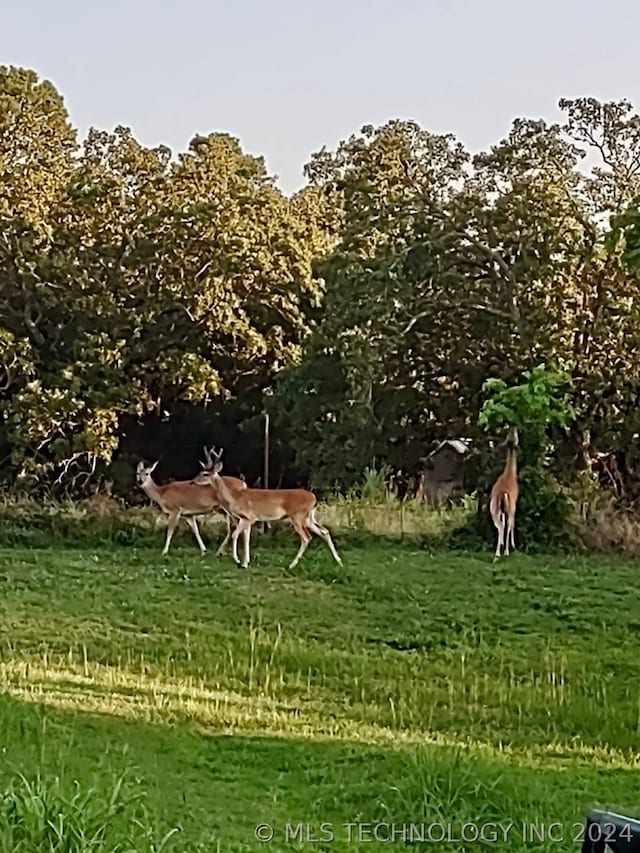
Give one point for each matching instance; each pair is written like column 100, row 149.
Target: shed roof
column 460, row 445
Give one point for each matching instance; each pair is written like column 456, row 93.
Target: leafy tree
column 37, row 145
column 358, row 395
column 449, row 272
column 154, row 283
column 610, row 132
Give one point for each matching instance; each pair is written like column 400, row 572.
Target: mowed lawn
column 404, row 688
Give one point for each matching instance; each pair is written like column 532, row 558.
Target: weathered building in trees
column 443, row 475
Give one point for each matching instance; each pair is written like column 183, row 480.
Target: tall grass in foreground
column 38, row 816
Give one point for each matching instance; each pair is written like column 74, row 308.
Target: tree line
column 152, row 303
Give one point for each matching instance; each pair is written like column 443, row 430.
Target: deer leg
column 234, row 539
column 305, row 538
column 193, row 524
column 324, row 534
column 507, row 534
column 513, row 531
column 225, row 542
column 174, row 518
column 498, row 520
column 247, row 536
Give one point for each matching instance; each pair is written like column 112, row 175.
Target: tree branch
column 512, row 300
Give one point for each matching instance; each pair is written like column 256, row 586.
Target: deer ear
column 154, row 466
column 217, row 467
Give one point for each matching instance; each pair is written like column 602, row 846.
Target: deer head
column 143, row 472
column 512, row 438
column 211, row 467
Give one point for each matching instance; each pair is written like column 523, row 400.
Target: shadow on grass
column 217, row 788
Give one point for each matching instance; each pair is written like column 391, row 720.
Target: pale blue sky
column 287, row 76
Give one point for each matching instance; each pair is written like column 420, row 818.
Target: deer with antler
column 251, row 505
column 183, row 499
column 504, row 497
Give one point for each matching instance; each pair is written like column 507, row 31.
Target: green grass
column 405, row 688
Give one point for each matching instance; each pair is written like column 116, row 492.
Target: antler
column 208, row 462
column 211, row 457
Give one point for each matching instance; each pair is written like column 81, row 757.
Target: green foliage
column 375, row 484
column 36, row 151
column 544, row 512
column 626, row 227
column 534, row 407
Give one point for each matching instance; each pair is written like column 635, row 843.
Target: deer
column 182, row 499
column 504, row 497
column 251, row 505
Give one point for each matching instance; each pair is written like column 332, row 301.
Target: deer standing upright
column 504, row 497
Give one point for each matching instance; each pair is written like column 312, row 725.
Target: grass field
column 142, row 694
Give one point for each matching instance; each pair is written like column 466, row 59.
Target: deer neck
column 152, row 490
column 511, row 465
column 223, row 491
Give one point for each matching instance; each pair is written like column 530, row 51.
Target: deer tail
column 504, row 505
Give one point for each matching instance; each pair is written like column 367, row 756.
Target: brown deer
column 183, row 499
column 252, row 505
column 504, row 497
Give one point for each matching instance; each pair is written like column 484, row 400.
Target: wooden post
column 265, row 470
column 266, row 452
